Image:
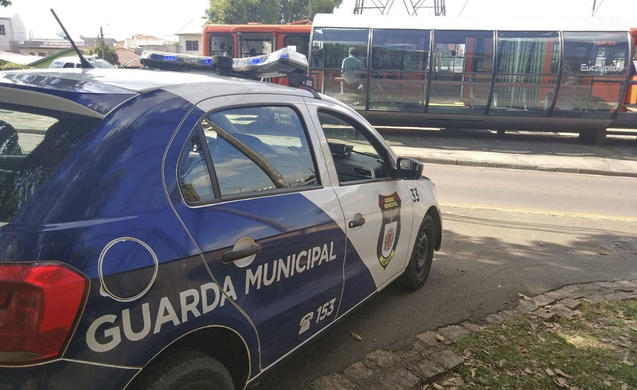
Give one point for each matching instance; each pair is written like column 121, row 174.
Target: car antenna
column 83, row 61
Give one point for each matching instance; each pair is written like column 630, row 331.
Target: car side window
column 256, row 149
column 355, row 156
column 193, row 174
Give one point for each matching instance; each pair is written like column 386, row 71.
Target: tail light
column 39, row 304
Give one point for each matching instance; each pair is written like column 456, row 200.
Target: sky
column 118, row 18
column 123, row 18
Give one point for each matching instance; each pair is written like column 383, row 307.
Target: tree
column 109, row 54
column 292, row 10
column 267, row 11
column 5, row 3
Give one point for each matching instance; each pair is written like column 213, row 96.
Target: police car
column 178, row 230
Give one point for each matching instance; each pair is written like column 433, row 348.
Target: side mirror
column 408, row 168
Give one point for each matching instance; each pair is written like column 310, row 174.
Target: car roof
column 136, row 80
column 105, row 84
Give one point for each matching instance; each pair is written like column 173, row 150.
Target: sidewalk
column 432, row 358
column 545, row 152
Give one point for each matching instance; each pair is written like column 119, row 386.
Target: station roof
column 454, row 23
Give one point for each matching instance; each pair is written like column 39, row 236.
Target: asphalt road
column 545, row 192
column 506, row 232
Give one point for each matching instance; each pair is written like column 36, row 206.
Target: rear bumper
column 62, row 374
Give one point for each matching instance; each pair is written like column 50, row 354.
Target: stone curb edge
column 430, row 357
column 527, row 167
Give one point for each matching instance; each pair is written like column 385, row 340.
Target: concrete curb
column 430, row 360
column 528, row 167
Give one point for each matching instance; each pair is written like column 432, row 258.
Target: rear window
column 32, row 145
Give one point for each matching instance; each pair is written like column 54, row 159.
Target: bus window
column 255, row 44
column 222, row 45
column 462, row 72
column 300, row 41
column 593, row 74
column 342, row 55
column 527, row 71
column 398, row 78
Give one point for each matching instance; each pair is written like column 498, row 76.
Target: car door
column 377, row 206
column 251, row 193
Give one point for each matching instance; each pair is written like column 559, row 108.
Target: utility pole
column 102, row 41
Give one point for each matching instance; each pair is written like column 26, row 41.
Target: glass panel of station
column 594, row 73
column 462, row 72
column 342, row 55
column 398, row 75
column 526, row 73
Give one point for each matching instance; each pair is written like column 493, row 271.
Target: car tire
column 185, row 370
column 422, row 255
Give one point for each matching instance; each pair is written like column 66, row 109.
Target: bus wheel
column 422, row 255
column 592, row 137
column 185, row 369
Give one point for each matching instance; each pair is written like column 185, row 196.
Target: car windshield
column 32, row 145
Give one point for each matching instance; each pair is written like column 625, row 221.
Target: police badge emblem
column 389, row 228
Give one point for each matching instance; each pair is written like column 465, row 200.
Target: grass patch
column 597, row 350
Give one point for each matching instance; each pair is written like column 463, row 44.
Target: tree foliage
column 109, row 54
column 267, row 11
column 5, row 3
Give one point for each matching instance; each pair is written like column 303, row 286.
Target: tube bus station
column 567, row 75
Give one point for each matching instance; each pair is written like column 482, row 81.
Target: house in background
column 11, row 29
column 140, row 42
column 42, row 47
column 127, row 57
column 90, row 42
column 45, row 62
column 190, row 37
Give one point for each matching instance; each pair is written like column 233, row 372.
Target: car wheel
column 421, row 257
column 185, row 370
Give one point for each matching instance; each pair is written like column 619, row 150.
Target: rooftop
column 17, row 58
column 466, row 23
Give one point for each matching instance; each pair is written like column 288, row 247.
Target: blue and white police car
column 174, row 230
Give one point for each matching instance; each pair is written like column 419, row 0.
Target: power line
column 463, row 7
column 597, row 7
column 411, row 6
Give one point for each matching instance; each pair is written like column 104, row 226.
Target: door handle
column 236, row 254
column 358, row 220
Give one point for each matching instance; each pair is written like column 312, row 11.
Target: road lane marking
column 540, row 211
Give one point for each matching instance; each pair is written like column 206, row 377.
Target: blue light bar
column 276, row 64
column 155, row 59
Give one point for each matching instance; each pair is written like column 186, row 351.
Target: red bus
column 247, row 40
